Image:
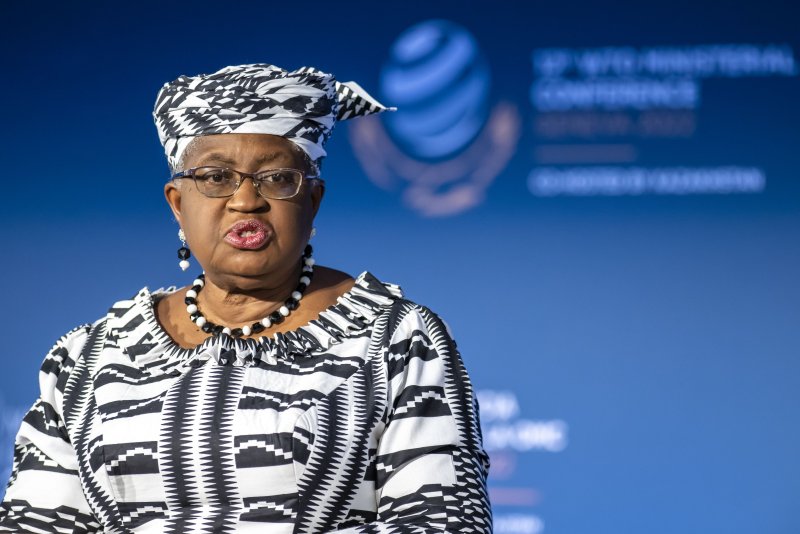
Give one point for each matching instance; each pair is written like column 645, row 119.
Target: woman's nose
column 247, row 197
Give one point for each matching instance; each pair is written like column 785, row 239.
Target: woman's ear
column 172, row 192
column 317, row 192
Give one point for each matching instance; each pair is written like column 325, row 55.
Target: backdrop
column 601, row 200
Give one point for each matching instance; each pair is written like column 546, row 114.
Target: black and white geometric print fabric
column 363, row 421
column 302, row 105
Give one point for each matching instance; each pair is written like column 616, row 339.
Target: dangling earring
column 183, row 253
column 313, row 231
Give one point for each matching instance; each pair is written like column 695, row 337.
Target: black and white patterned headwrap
column 302, row 105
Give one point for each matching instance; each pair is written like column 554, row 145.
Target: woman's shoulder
column 405, row 317
column 63, row 357
column 410, row 318
column 66, row 347
column 131, row 310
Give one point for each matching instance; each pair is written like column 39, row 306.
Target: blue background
column 663, row 330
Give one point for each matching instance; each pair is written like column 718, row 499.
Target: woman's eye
column 214, row 176
column 281, row 178
column 275, row 178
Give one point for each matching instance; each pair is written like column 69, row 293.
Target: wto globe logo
column 445, row 144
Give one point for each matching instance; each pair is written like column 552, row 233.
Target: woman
column 270, row 395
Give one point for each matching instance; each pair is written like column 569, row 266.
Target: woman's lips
column 248, row 235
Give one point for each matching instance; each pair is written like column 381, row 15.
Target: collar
column 140, row 336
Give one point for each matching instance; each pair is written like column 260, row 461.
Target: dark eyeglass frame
column 190, row 173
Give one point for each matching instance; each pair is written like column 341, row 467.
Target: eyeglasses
column 219, row 182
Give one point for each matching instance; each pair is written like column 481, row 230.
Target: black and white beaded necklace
column 275, row 317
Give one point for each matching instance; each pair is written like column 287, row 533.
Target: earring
column 183, row 253
column 313, row 231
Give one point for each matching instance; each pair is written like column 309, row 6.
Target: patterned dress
column 364, row 420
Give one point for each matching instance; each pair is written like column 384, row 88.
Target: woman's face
column 231, row 260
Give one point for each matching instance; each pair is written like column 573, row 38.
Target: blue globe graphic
column 439, row 81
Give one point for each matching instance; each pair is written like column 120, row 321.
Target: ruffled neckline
column 352, row 313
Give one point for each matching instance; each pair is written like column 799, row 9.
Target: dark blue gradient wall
column 601, row 201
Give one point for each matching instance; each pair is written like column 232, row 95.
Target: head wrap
column 302, row 105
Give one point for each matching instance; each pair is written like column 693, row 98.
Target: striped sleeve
column 44, row 492
column 431, row 467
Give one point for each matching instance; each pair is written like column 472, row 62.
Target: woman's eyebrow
column 222, row 158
